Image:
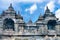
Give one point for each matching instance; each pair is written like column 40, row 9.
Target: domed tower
column 48, row 13
column 40, row 23
column 11, row 20
column 50, row 21
column 8, row 18
column 20, row 22
column 40, row 20
column 9, row 12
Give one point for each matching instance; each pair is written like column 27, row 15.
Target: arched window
column 51, row 24
column 8, row 24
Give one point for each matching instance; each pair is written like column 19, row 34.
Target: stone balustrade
column 28, row 32
column 31, row 38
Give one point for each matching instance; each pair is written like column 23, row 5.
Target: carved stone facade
column 12, row 26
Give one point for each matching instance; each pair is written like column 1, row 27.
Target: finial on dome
column 19, row 13
column 47, row 7
column 47, row 10
column 10, row 5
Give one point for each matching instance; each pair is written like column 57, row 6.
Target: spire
column 47, row 10
column 19, row 16
column 30, row 21
column 47, row 7
column 40, row 17
column 19, row 13
column 11, row 7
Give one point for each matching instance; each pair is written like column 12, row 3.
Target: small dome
column 47, row 10
column 10, row 8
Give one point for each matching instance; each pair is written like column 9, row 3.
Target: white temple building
column 12, row 26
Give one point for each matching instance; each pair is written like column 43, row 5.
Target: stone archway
column 8, row 24
column 51, row 24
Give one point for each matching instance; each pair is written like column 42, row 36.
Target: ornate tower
column 11, row 21
column 12, row 26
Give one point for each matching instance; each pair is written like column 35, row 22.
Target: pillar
column 16, row 28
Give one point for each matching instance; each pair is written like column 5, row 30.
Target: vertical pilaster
column 16, row 28
column 57, row 29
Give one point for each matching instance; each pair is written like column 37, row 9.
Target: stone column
column 57, row 29
column 45, row 29
column 16, row 28
column 22, row 29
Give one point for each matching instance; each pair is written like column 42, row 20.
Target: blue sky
column 31, row 9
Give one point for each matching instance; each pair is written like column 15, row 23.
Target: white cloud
column 57, row 14
column 50, row 5
column 5, row 3
column 32, row 8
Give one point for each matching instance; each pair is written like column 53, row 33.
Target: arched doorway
column 8, row 24
column 51, row 24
